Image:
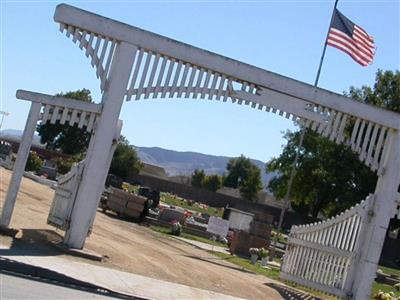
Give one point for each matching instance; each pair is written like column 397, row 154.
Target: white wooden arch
column 132, row 63
column 164, row 68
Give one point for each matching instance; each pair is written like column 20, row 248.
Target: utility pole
column 3, row 114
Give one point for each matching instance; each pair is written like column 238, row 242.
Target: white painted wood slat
column 322, row 254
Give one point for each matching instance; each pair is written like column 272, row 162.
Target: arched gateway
column 132, row 63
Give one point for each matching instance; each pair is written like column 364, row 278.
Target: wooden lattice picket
column 323, row 255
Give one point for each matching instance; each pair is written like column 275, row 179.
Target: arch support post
column 383, row 210
column 19, row 165
column 97, row 163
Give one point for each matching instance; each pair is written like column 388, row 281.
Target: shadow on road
column 33, row 242
column 209, row 260
column 290, row 294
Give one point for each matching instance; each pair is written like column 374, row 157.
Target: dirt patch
column 134, row 248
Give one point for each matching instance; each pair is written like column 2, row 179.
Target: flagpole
column 286, row 201
column 323, row 51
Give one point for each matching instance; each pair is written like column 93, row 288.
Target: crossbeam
column 58, row 101
column 64, row 110
column 273, row 99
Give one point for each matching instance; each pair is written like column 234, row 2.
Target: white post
column 109, row 159
column 97, row 164
column 383, row 211
column 20, row 162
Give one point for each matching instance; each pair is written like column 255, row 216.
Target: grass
column 390, row 271
column 160, row 229
column 376, row 287
column 172, row 200
column 247, row 265
column 188, row 236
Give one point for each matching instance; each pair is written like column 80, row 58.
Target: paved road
column 12, row 287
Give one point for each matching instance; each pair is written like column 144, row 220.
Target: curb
column 19, row 268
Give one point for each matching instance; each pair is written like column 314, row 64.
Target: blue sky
column 285, row 37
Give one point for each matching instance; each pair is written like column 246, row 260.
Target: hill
column 174, row 162
column 184, row 163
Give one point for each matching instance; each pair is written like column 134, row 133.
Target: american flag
column 351, row 39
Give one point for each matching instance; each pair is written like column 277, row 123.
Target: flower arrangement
column 262, row 252
column 254, row 255
column 176, row 228
column 253, row 251
column 385, row 296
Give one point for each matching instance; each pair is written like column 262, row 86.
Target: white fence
column 64, row 197
column 323, row 255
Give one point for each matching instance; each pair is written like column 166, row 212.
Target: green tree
column 243, row 174
column 212, row 182
column 330, row 178
column 67, row 139
column 251, row 185
column 125, row 161
column 198, row 178
column 385, row 93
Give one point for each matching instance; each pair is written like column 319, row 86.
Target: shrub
column 34, row 162
column 64, row 164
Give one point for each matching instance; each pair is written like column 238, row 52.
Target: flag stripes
column 351, row 39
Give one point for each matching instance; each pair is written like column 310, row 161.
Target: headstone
column 218, row 226
column 171, row 214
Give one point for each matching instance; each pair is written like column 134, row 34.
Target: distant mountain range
column 174, row 162
column 184, row 163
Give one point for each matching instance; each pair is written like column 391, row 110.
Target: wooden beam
column 59, row 101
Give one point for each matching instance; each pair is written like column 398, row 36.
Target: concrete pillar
column 383, row 211
column 96, row 162
column 19, row 165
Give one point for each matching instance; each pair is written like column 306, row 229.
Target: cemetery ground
column 138, row 249
column 133, row 248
